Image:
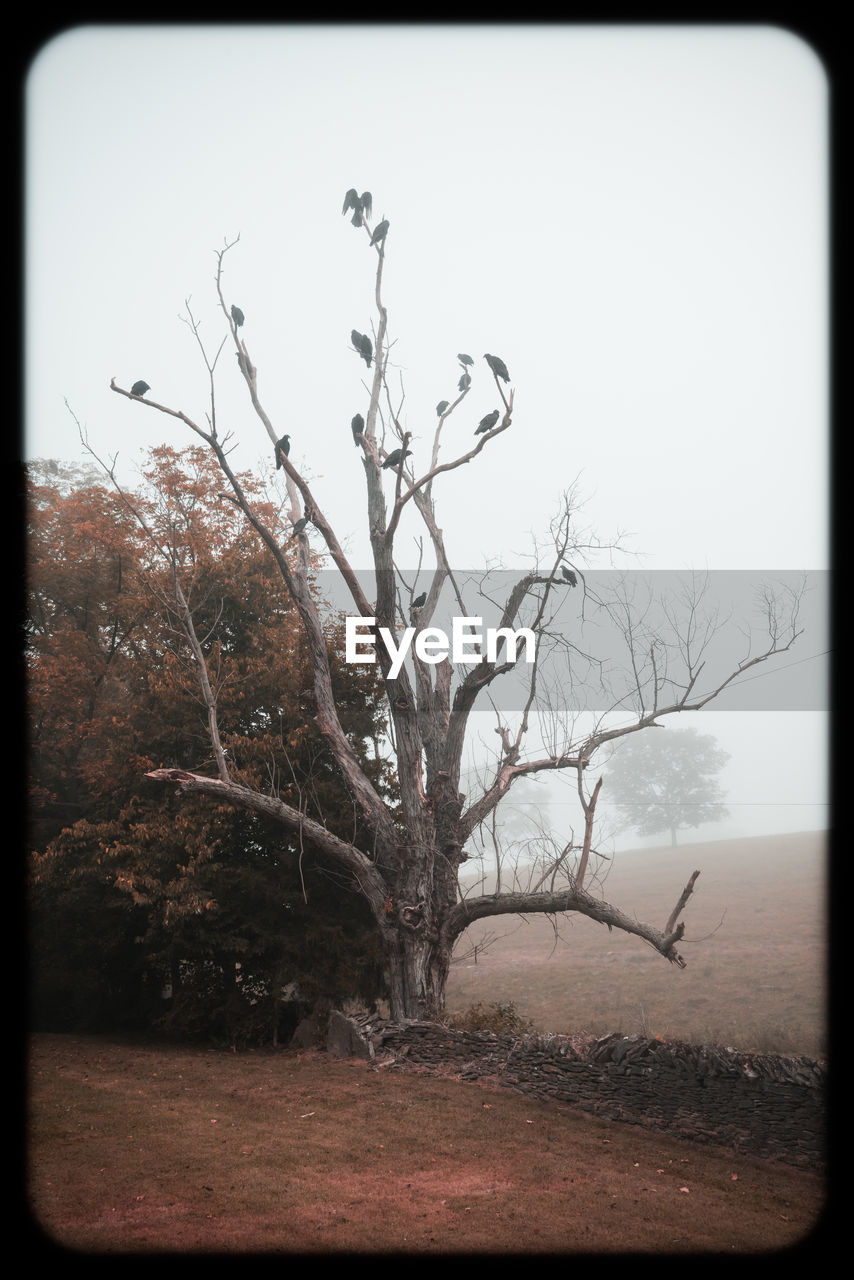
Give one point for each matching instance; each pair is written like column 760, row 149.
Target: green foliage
column 502, row 1018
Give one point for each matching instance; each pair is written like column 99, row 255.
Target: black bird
column 355, row 202
column 464, row 359
column 420, row 601
column 498, row 367
column 366, row 200
column 380, row 232
column 283, row 446
column 394, row 458
column 464, row 382
column 245, row 366
column 441, row 407
column 487, row 423
column 362, row 343
column 358, row 428
column 569, row 575
column 139, row 388
column 237, row 316
column 298, row 527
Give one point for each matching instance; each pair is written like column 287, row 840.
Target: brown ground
column 135, row 1148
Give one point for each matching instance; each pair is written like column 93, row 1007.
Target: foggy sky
column 634, row 219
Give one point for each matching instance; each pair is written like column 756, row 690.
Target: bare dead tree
column 410, row 873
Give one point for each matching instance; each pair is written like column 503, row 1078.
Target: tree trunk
column 417, row 973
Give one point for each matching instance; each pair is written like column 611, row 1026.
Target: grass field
column 755, row 944
column 137, row 1148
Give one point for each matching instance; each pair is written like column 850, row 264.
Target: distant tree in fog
column 667, row 781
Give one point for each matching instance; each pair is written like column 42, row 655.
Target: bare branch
column 680, row 905
column 589, row 810
column 184, row 612
column 572, row 899
column 346, row 855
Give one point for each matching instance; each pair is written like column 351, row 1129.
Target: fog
column 635, row 218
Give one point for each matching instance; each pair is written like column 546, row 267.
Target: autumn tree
column 84, row 620
column 132, row 888
column 668, row 781
column 405, row 858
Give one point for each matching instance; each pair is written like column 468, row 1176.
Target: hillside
column 755, row 944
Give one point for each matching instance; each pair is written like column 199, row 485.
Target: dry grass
column 137, row 1148
column 755, row 945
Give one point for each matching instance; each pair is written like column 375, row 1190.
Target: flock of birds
column 362, row 343
column 361, row 207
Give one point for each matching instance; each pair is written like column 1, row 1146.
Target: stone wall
column 757, row 1104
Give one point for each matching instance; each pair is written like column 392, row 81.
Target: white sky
column 633, row 218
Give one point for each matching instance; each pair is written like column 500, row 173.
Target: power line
column 728, row 804
column 762, row 675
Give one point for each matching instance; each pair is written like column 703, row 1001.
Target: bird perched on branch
column 237, row 316
column 464, row 359
column 498, row 367
column 360, row 204
column 464, row 382
column 569, row 575
column 487, row 423
column 395, row 458
column 441, row 407
column 139, row 388
column 298, row 527
column 357, row 426
column 420, row 601
column 362, row 343
column 283, row 446
column 380, row 231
